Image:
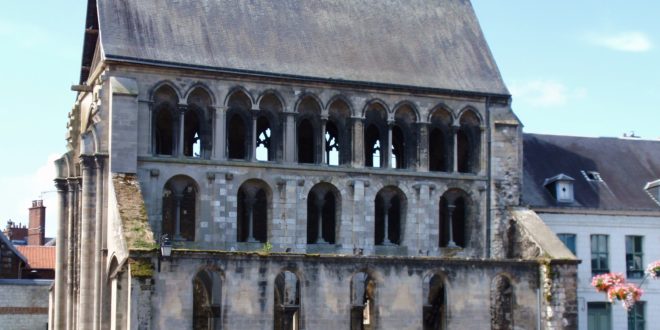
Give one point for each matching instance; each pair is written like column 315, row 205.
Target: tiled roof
column 417, row 43
column 620, row 167
column 38, row 257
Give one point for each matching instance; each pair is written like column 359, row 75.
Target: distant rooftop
column 609, row 173
column 38, row 257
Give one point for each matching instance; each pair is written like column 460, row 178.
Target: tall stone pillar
column 180, row 147
column 98, row 248
column 454, row 154
column 423, row 147
column 324, row 156
column 253, row 136
column 220, row 130
column 388, row 147
column 88, row 221
column 59, row 310
column 357, row 130
column 290, row 138
column 71, row 251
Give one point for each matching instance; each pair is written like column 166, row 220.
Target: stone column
column 219, row 147
column 249, row 204
column 182, row 112
column 178, row 195
column 451, row 243
column 388, row 148
column 358, row 142
column 454, row 136
column 253, row 144
column 386, row 220
column 86, row 303
column 319, row 206
column 324, row 157
column 98, row 248
column 423, row 146
column 61, row 259
column 72, row 185
column 290, row 138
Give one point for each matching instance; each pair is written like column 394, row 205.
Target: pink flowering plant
column 604, row 282
column 653, row 270
column 616, row 287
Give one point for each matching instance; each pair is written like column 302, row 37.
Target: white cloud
column 545, row 93
column 22, row 189
column 630, row 41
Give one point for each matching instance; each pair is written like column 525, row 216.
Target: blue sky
column 588, row 68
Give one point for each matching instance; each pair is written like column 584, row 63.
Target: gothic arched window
column 389, row 211
column 252, row 213
column 207, row 300
column 502, row 303
column 453, row 219
column 363, row 302
column 435, row 303
column 287, row 301
column 322, row 214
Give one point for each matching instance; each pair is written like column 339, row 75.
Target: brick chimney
column 37, row 225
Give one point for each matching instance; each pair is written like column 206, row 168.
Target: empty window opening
column 179, row 201
column 252, row 214
column 207, row 298
column 331, row 144
column 398, row 148
column 163, row 132
column 363, row 304
column 441, row 142
column 271, row 108
column 191, row 134
column 321, row 215
column 467, row 143
column 287, row 301
column 453, row 220
column 502, row 303
column 373, row 151
column 264, row 150
column 438, row 151
column 435, row 303
column 388, row 217
column 339, row 114
column 306, row 142
column 236, row 137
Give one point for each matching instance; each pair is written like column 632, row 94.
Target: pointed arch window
column 363, row 302
column 502, row 303
column 435, row 303
column 165, row 121
column 389, row 211
column 207, row 301
column 238, row 122
column 441, row 141
column 468, row 140
column 287, row 301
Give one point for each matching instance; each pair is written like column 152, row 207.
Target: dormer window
column 592, row 176
column 653, row 189
column 561, row 188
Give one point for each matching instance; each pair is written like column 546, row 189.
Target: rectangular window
column 634, row 257
column 636, row 317
column 598, row 316
column 599, row 254
column 568, row 240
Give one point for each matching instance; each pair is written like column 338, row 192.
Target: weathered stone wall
column 24, row 304
column 247, row 289
column 560, row 305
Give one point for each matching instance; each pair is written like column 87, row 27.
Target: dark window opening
column 438, row 151
column 179, row 201
column 207, row 297
column 398, row 148
column 463, row 151
column 373, row 152
column 599, row 254
column 287, row 302
column 363, row 304
column 252, row 213
column 388, row 218
column 321, row 213
column 264, row 152
column 163, row 132
column 569, row 241
column 435, row 304
column 599, row 316
column 339, row 114
column 236, row 137
column 467, row 143
column 306, row 142
column 192, row 145
column 636, row 319
column 634, row 257
column 452, row 221
column 332, row 149
column 501, row 305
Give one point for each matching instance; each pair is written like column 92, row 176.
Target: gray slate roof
column 625, row 165
column 435, row 44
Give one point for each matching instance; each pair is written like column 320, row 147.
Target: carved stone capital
column 87, row 162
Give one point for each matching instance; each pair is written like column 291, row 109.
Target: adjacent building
column 313, row 164
column 601, row 197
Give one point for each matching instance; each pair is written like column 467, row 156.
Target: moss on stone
column 141, row 268
column 133, row 212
